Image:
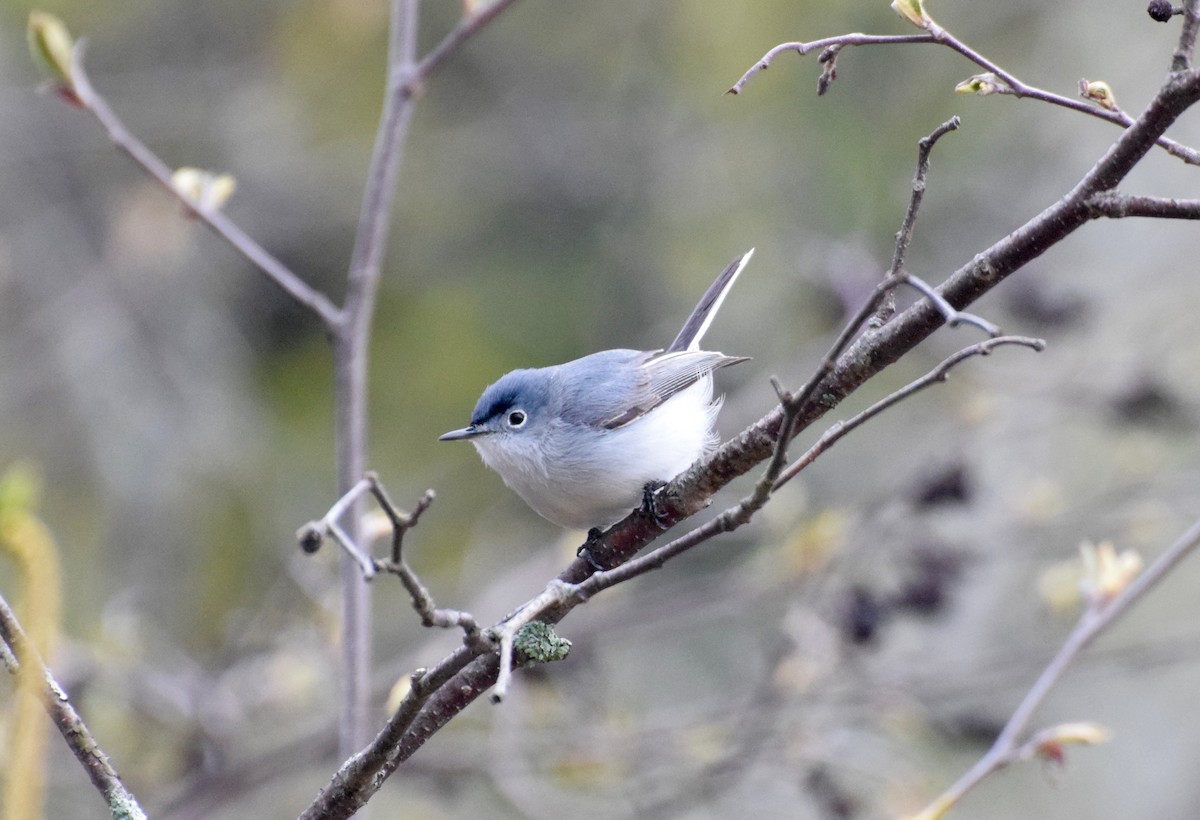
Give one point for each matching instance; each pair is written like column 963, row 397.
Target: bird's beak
column 464, row 433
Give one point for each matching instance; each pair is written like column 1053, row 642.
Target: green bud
column 1098, row 92
column 912, row 11
column 51, row 44
column 982, row 84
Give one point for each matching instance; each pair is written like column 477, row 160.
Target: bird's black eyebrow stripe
column 498, row 406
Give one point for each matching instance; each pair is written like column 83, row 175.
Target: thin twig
column 1095, row 619
column 422, row 599
column 1010, row 83
column 953, row 317
column 23, row 660
column 312, row 533
column 291, row 284
column 839, row 42
column 887, row 308
column 936, row 376
column 555, row 594
column 467, row 28
column 401, row 522
column 924, row 149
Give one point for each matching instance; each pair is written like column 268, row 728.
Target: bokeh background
column 574, row 179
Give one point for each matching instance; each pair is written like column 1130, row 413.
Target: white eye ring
column 517, row 418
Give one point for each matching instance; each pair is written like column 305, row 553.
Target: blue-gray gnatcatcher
column 580, row 441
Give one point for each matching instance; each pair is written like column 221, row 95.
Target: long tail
column 697, row 324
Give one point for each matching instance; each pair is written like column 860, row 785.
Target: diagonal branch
column 26, row 662
column 775, row 476
column 291, row 284
column 936, row 376
column 1095, row 619
column 467, row 28
column 441, row 693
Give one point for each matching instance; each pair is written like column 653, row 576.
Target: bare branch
column 405, row 77
column 350, row 352
column 953, row 317
column 937, row 375
column 832, row 44
column 924, row 149
column 1095, row 619
column 363, row 773
column 312, row 533
column 23, row 660
column 422, row 598
column 401, row 522
column 1116, row 206
column 887, row 308
column 1009, row 83
column 877, row 349
column 1185, row 51
column 291, row 284
column 845, row 367
column 467, row 28
column 440, row 694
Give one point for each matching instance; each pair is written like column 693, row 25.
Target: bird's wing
column 661, row 376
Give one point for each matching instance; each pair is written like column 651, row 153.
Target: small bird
column 581, row 441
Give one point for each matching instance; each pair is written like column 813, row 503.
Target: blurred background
column 574, row 179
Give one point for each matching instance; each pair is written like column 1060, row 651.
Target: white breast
column 587, row 477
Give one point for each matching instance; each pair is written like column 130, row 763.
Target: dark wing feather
column 706, row 310
column 663, row 374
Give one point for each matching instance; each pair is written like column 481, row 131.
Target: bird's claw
column 650, row 506
column 593, row 538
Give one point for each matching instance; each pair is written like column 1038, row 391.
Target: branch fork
column 313, row 533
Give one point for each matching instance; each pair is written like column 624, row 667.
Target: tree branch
column 26, row 662
column 872, row 353
column 291, row 284
column 404, row 78
column 467, row 27
column 1100, row 614
column 887, row 308
column 1184, row 52
column 1009, row 83
column 937, row 375
column 350, row 352
column 1116, row 206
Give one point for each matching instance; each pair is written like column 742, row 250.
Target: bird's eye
column 516, row 418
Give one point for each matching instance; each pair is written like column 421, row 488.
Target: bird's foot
column 650, row 506
column 585, row 552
